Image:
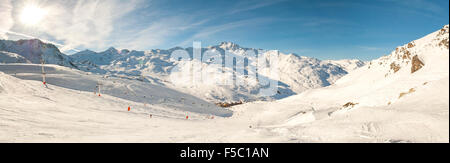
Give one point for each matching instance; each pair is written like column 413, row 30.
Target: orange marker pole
column 129, row 108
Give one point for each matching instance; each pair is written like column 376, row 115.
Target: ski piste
column 224, row 71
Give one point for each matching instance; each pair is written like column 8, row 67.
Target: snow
column 66, row 115
column 383, row 105
column 381, row 114
column 6, row 57
column 129, row 89
column 347, row 64
column 297, row 73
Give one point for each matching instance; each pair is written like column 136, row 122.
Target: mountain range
column 297, row 73
column 400, row 97
column 397, row 98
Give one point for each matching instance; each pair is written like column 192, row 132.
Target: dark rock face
column 444, row 43
column 395, row 67
column 442, row 32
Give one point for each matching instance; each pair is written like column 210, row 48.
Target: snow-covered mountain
column 297, row 73
column 401, row 97
column 35, row 50
column 7, row 57
column 410, row 67
column 96, row 59
column 347, row 64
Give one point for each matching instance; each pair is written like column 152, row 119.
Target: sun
column 32, row 15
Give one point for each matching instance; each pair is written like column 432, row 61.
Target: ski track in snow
column 89, row 118
column 383, row 101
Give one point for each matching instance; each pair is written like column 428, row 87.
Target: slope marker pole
column 43, row 72
column 99, row 85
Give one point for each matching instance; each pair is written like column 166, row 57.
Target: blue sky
column 325, row 29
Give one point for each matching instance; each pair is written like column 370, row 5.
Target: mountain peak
column 86, row 51
column 444, row 30
column 33, row 50
column 30, row 41
column 112, row 49
column 229, row 45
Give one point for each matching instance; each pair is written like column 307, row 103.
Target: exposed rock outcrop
column 444, row 43
column 412, row 90
column 350, row 104
column 395, row 67
column 417, row 64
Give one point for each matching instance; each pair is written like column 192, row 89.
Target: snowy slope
column 303, row 73
column 7, row 57
column 31, row 113
column 127, row 89
column 376, row 103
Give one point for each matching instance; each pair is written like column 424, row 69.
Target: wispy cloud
column 6, row 8
column 424, row 5
column 31, row 37
column 241, row 6
column 252, row 5
column 211, row 30
column 161, row 31
column 154, row 34
column 5, row 14
column 148, row 24
column 370, row 48
column 87, row 24
column 97, row 24
column 75, row 23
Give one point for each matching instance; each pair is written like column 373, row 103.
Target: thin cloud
column 211, row 30
column 77, row 23
column 253, row 5
column 154, row 34
column 5, row 14
column 370, row 48
column 159, row 32
column 423, row 5
column 98, row 24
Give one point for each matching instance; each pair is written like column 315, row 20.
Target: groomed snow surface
column 375, row 103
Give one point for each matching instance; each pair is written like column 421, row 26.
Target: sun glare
column 32, row 15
